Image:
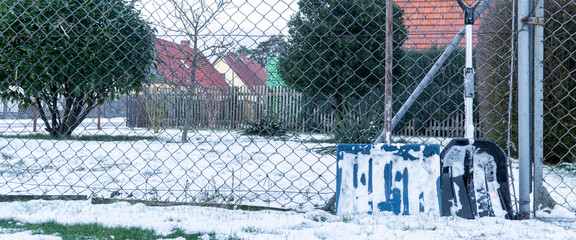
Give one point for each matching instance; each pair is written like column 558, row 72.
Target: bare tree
column 193, row 19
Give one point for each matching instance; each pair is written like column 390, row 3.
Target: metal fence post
column 538, row 106
column 388, row 73
column 524, row 110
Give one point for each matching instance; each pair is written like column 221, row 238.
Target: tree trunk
column 186, row 118
column 191, row 87
column 63, row 125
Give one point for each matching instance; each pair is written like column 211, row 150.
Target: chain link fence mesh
column 559, row 101
column 243, row 102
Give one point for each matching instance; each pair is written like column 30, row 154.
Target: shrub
column 441, row 98
column 336, row 51
column 72, row 54
column 362, row 122
column 267, row 126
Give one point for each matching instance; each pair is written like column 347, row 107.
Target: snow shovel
column 373, row 178
column 473, row 178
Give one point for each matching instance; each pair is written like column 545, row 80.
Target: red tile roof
column 432, row 22
column 175, row 60
column 251, row 73
column 258, row 70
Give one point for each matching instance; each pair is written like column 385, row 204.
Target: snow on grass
column 270, row 224
column 224, row 166
column 561, row 183
column 25, row 235
column 216, row 166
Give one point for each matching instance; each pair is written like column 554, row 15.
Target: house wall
column 230, row 76
column 272, row 76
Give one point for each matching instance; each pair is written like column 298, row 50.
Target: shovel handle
column 469, row 11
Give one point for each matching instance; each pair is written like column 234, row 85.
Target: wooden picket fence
column 235, row 107
column 219, row 107
column 451, row 127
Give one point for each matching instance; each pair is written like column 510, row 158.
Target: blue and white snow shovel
column 402, row 179
column 473, row 178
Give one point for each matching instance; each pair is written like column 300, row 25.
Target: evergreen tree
column 66, row 57
column 336, row 51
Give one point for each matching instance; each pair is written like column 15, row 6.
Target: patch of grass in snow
column 569, row 167
column 325, row 140
column 252, row 230
column 96, row 231
column 347, row 219
column 101, row 138
column 329, row 150
column 5, row 156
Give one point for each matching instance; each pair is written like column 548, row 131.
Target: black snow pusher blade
column 474, row 180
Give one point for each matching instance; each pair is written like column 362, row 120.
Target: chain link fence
column 559, row 101
column 243, row 102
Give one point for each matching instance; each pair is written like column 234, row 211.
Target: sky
column 241, row 23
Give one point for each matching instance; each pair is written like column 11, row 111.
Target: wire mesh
column 559, row 102
column 243, row 102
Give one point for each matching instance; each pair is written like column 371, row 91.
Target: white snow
column 484, row 164
column 25, row 235
column 220, row 160
column 252, row 170
column 269, row 224
column 455, row 159
column 456, row 203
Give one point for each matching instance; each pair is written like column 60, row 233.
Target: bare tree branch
column 195, row 17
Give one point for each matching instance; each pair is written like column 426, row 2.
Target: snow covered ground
column 221, row 167
column 218, row 166
column 281, row 225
